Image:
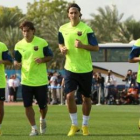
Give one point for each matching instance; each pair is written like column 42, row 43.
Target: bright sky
column 128, row 7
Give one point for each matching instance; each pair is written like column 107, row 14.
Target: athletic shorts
column 2, row 94
column 11, row 91
column 39, row 93
column 80, row 81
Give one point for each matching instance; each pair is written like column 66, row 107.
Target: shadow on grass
column 9, row 135
column 77, row 135
column 112, row 135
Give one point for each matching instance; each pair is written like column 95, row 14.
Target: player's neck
column 75, row 23
column 29, row 39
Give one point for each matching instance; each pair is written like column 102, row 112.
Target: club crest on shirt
column 35, row 48
column 79, row 33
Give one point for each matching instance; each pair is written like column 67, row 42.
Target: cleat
column 42, row 127
column 34, row 132
column 73, row 130
column 85, row 130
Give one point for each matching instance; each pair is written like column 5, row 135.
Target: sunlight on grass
column 106, row 123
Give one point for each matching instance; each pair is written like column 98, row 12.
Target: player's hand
column 17, row 65
column 78, row 44
column 38, row 60
column 1, row 62
column 64, row 50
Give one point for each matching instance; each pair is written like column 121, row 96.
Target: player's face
column 28, row 34
column 73, row 14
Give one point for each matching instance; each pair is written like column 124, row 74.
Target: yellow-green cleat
column 139, row 124
column 85, row 130
column 73, row 130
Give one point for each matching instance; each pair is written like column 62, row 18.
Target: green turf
column 106, row 123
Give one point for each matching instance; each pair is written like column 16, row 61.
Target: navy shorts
column 11, row 91
column 82, row 81
column 2, row 94
column 39, row 93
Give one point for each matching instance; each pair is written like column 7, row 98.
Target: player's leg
column 27, row 94
column 139, row 101
column 85, row 89
column 72, row 108
column 70, row 88
column 41, row 97
column 2, row 98
column 86, row 108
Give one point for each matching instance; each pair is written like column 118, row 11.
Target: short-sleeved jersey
column 77, row 60
column 32, row 74
column 135, row 52
column 3, row 49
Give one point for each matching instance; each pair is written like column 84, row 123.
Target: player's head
column 28, row 30
column 74, row 5
column 28, row 24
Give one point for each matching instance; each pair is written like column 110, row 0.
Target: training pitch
column 107, row 122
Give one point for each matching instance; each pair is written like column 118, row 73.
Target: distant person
column 128, row 79
column 134, row 57
column 110, row 84
column 11, row 88
column 76, row 41
column 33, row 53
column 5, row 59
column 53, row 85
column 110, row 79
column 6, row 89
column 16, row 85
column 100, row 81
column 132, row 95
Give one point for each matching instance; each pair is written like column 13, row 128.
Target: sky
column 128, row 7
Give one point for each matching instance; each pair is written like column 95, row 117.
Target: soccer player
column 76, row 40
column 32, row 53
column 134, row 57
column 5, row 59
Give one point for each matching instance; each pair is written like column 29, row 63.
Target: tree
column 9, row 22
column 48, row 17
column 10, row 17
column 133, row 27
column 10, row 36
column 106, row 23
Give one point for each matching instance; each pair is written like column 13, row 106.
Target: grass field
column 106, row 123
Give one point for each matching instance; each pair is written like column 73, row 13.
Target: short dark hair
column 27, row 24
column 130, row 70
column 74, row 5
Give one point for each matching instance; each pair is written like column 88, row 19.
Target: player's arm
column 62, row 47
column 134, row 60
column 92, row 46
column 6, row 58
column 134, row 55
column 17, row 60
column 48, row 55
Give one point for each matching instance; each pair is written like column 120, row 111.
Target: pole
column 99, row 95
column 61, row 90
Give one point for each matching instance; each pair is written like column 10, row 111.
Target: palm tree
column 51, row 34
column 48, row 17
column 106, row 23
column 133, row 27
column 10, row 36
column 10, row 17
